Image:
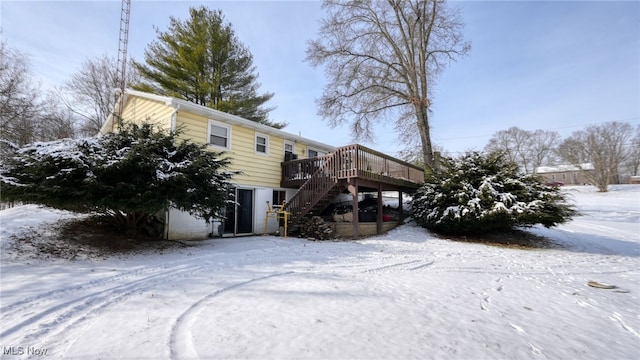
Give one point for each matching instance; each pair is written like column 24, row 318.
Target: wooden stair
column 317, row 192
column 320, row 179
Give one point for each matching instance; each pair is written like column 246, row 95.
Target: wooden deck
column 352, row 168
column 351, row 162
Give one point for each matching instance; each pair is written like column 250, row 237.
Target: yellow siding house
column 255, row 149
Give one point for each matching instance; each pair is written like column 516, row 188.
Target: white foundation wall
column 261, row 196
column 183, row 226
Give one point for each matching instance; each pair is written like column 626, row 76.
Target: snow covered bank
column 402, row 295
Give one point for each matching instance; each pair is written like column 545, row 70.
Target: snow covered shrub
column 130, row 175
column 478, row 194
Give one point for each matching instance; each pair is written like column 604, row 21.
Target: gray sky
column 533, row 64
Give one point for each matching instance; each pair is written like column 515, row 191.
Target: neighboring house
column 276, row 166
column 566, row 174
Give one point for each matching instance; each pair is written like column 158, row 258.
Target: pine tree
column 130, row 175
column 480, row 194
column 201, row 60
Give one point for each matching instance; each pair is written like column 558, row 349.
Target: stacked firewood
column 315, row 228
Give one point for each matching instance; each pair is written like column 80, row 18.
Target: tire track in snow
column 49, row 316
column 62, row 317
column 402, row 266
column 34, row 300
column 391, row 266
column 181, row 340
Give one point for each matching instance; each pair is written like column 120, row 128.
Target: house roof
column 563, row 168
column 179, row 104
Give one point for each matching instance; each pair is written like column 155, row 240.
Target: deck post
column 400, row 210
column 379, row 220
column 353, row 189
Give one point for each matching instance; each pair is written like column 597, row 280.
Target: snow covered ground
column 403, row 295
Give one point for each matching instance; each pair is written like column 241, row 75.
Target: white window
column 289, row 151
column 314, row 153
column 219, row 135
column 288, row 147
column 262, row 144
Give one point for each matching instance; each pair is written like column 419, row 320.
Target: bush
column 478, row 194
column 130, row 175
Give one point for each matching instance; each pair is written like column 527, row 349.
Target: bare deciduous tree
column 633, row 161
column 413, row 154
column 513, row 144
column 528, row 149
column 382, row 59
column 91, row 91
column 542, row 147
column 25, row 116
column 19, row 103
column 56, row 120
column 603, row 146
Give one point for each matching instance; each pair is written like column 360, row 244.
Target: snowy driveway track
column 402, row 295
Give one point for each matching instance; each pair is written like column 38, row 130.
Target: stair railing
column 315, row 188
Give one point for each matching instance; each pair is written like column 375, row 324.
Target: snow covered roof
column 219, row 116
column 563, row 168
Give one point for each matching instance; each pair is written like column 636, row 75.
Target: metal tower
column 122, row 57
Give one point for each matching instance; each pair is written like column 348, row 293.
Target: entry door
column 244, row 212
column 239, row 217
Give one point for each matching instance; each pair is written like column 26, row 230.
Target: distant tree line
column 611, row 148
column 27, row 114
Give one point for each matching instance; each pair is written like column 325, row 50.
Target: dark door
column 239, row 216
column 244, row 212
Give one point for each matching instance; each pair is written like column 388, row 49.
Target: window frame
column 221, row 125
column 266, row 144
column 319, row 153
column 278, row 196
column 293, row 146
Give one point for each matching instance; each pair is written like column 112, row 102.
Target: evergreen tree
column 479, row 194
column 130, row 175
column 201, row 60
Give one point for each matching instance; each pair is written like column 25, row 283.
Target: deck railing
column 317, row 178
column 350, row 162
